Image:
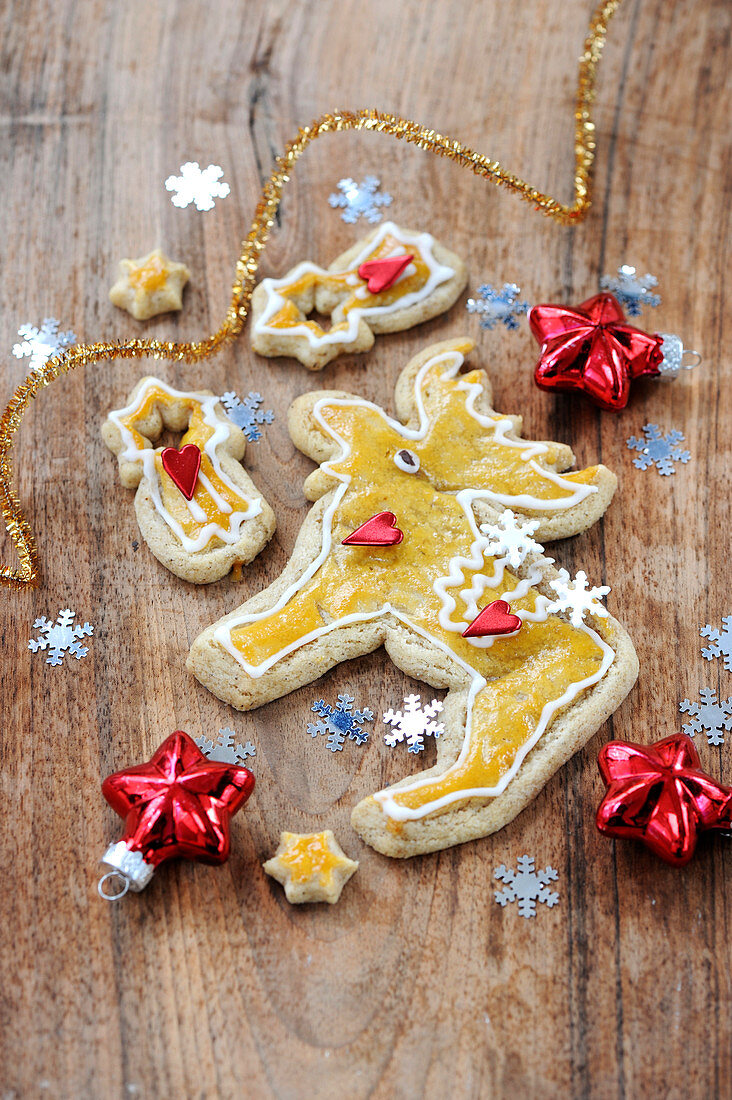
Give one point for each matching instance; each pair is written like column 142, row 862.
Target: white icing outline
column 222, row 633
column 438, row 274
column 146, row 455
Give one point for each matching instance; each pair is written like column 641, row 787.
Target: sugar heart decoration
column 496, row 618
column 182, row 467
column 381, row 274
column 380, row 530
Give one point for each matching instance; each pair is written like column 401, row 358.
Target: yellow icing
column 308, row 856
column 150, row 276
column 198, row 432
column 524, row 672
column 301, row 290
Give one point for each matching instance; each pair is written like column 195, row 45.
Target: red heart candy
column 381, row 274
column 380, row 530
column 182, row 467
column 493, row 619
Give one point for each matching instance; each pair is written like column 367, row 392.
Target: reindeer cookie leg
column 508, row 736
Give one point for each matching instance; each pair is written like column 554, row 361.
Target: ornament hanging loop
column 109, row 877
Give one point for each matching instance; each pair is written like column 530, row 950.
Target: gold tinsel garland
column 27, row 576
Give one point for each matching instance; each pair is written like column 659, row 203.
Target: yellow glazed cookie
column 518, row 705
column 226, row 521
column 428, row 285
column 311, row 867
column 148, row 286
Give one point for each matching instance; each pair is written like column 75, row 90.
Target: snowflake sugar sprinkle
column 224, row 751
column 360, row 200
column 633, row 291
column 198, row 185
column 510, row 538
column 527, row 886
column 41, row 344
column 340, row 722
column 498, row 305
column 710, row 715
column 721, row 642
column 658, row 450
column 413, row 724
column 60, row 638
column 247, row 414
column 576, row 597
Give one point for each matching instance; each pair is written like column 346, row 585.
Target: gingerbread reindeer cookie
column 197, row 508
column 389, row 281
column 421, row 541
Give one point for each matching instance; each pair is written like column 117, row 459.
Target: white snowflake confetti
column 710, row 715
column 498, row 305
column 527, row 886
column 247, row 414
column 633, row 291
column 41, row 344
column 576, row 597
column 658, row 450
column 198, row 185
column 340, row 722
column 360, row 200
column 721, row 642
column 510, row 538
column 60, row 638
column 224, row 751
column 413, row 724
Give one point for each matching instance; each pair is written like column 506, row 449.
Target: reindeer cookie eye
column 407, row 461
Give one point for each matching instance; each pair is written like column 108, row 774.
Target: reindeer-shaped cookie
column 518, row 705
column 218, row 520
column 392, row 279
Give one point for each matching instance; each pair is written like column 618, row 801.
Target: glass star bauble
column 659, row 795
column 593, row 350
column 178, row 804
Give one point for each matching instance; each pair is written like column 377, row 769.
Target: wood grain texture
column 416, row 984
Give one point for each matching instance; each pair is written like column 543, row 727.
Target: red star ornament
column 659, row 795
column 593, row 350
column 178, row 804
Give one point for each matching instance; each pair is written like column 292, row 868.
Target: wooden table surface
column 417, row 983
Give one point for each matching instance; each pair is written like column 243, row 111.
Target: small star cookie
column 311, row 867
column 148, row 286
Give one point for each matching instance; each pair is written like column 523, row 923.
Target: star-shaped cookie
column 311, row 867
column 148, row 286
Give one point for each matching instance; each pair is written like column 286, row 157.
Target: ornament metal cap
column 674, row 352
column 128, row 867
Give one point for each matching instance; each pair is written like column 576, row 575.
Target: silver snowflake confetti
column 494, row 305
column 576, row 597
column 41, row 344
column 360, row 200
column 527, row 886
column 247, row 414
column 340, row 722
column 224, row 751
column 711, row 716
column 198, row 185
column 658, row 450
column 413, row 724
column 60, row 638
column 721, row 642
column 510, row 538
column 633, row 291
